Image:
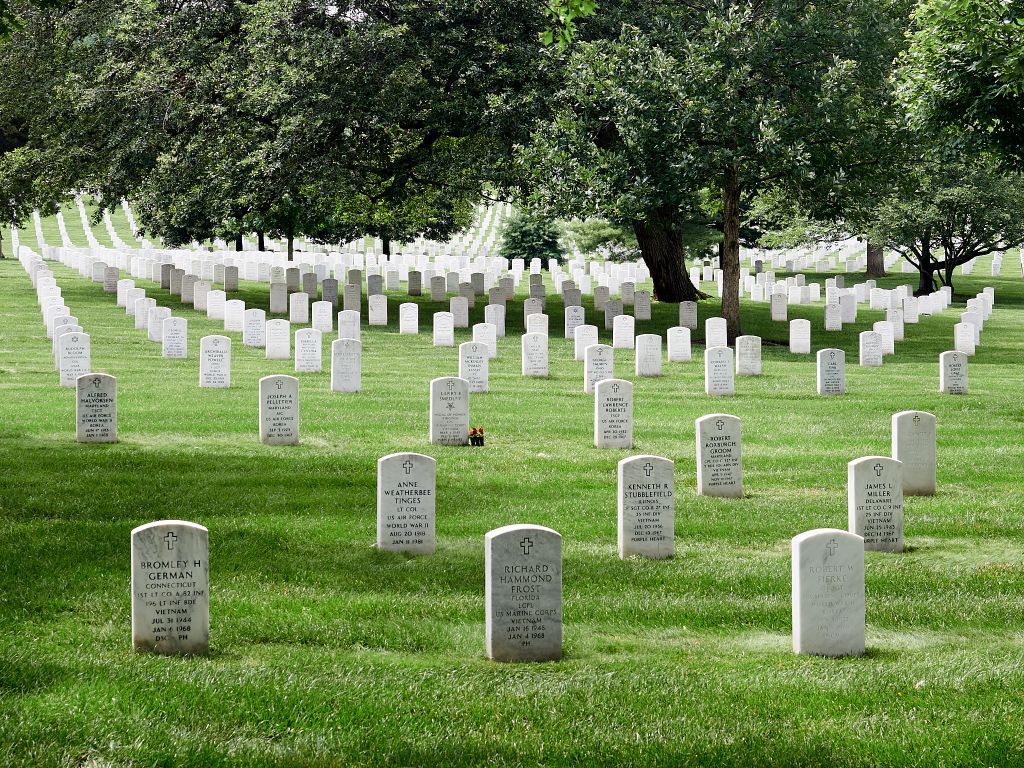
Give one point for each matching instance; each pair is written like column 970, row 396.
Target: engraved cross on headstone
column 832, row 546
column 615, row 388
column 407, row 466
column 527, row 545
column 917, row 419
column 280, row 384
column 720, row 424
column 170, row 538
column 878, row 469
column 648, row 468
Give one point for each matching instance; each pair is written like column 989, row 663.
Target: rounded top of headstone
column 519, row 528
column 887, row 462
column 176, row 523
column 826, row 534
column 716, row 421
column 644, row 459
column 613, row 385
column 917, row 417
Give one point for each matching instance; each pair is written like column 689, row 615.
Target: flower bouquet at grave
column 476, row 435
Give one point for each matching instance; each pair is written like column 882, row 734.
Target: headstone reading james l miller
column 171, row 588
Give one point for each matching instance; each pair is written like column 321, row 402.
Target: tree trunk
column 949, row 274
column 876, row 261
column 239, row 245
column 731, row 252
column 291, row 241
column 386, row 245
column 261, row 244
column 662, row 250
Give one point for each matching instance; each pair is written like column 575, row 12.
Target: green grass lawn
column 327, row 652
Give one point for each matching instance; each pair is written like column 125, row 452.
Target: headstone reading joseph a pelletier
column 647, row 507
column 875, row 502
column 449, row 411
column 913, row 444
column 406, row 492
column 171, row 588
column 279, row 410
column 96, row 408
column 523, row 593
column 719, row 456
column 828, row 593
column 613, row 414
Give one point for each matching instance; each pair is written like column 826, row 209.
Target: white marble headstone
column 828, row 593
column 831, row 372
column 215, row 362
column 613, row 414
column 406, row 493
column 647, row 507
column 449, row 411
column 279, row 410
column 719, row 456
column 913, row 444
column 875, row 502
column 96, row 408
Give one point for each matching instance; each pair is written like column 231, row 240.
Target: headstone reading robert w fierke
column 828, row 593
column 406, row 492
column 875, row 502
column 719, row 456
column 449, row 411
column 279, row 410
column 96, row 408
column 171, row 588
column 913, row 444
column 647, row 507
column 613, row 414
column 523, row 593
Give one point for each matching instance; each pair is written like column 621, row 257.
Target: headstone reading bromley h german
column 647, row 507
column 406, row 492
column 449, row 411
column 523, row 588
column 171, row 588
column 831, row 372
column 96, row 408
column 613, row 414
column 828, row 593
column 279, row 410
column 719, row 456
column 875, row 502
column 913, row 444
column 215, row 362
column 346, row 365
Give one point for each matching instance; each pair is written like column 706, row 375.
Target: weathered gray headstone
column 171, row 588
column 913, row 444
column 523, row 588
column 279, row 410
column 406, row 494
column 449, row 411
column 875, row 502
column 346, row 365
column 828, row 593
column 719, row 456
column 96, row 408
column 647, row 507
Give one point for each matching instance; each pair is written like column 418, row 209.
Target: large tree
column 664, row 100
column 331, row 120
column 948, row 211
column 965, row 70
